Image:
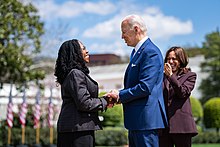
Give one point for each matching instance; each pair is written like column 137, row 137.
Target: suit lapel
column 139, row 51
column 134, row 59
column 132, row 62
column 182, row 77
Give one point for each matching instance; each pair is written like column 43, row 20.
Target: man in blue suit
column 142, row 96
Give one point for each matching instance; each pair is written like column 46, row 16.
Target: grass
column 206, row 145
column 194, row 145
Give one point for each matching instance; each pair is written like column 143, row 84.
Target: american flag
column 37, row 111
column 9, row 109
column 23, row 111
column 50, row 115
column 50, row 110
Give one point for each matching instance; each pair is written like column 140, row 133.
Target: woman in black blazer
column 178, row 83
column 78, row 117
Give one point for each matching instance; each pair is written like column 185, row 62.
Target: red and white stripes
column 22, row 114
column 50, row 115
column 10, row 115
column 37, row 115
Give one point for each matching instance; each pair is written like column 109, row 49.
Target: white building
column 109, row 77
column 112, row 76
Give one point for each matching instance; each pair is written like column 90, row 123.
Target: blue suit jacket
column 142, row 96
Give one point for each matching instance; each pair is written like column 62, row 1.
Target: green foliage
column 30, row 134
column 199, row 128
column 210, row 87
column 20, row 31
column 101, row 94
column 193, row 51
column 197, row 109
column 111, row 137
column 212, row 113
column 206, row 145
column 112, row 116
column 206, row 137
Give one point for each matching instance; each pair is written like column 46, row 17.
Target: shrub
column 108, row 137
column 199, row 128
column 196, row 109
column 29, row 136
column 212, row 113
column 113, row 116
column 206, row 137
column 111, row 136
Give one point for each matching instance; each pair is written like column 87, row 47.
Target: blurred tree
column 193, row 51
column 20, row 31
column 196, row 110
column 210, row 87
column 212, row 113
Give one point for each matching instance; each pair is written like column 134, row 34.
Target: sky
column 97, row 23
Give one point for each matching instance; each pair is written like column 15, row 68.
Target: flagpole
column 51, row 135
column 10, row 114
column 9, row 135
column 37, row 117
column 37, row 135
column 22, row 114
column 50, row 115
column 23, row 135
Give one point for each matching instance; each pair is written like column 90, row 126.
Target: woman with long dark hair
column 78, row 117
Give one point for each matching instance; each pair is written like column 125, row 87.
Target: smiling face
column 85, row 52
column 173, row 61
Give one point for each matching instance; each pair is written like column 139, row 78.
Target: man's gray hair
column 135, row 20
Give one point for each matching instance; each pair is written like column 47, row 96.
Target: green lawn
column 194, row 145
column 206, row 145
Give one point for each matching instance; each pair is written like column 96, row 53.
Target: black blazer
column 79, row 111
column 177, row 90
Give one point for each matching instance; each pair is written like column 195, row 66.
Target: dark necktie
column 132, row 54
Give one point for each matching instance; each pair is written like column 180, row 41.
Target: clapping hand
column 168, row 69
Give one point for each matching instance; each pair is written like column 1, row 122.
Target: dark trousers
column 76, row 139
column 179, row 140
column 143, row 138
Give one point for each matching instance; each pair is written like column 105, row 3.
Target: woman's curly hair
column 69, row 57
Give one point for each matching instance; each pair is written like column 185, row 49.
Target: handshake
column 112, row 98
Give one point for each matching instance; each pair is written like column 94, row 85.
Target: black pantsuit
column 78, row 118
column 76, row 139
